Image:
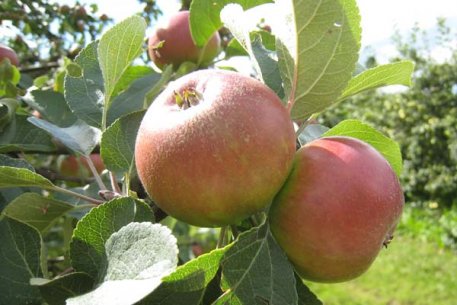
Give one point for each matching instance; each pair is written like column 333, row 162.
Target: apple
column 6, row 52
column 337, row 209
column 214, row 148
column 171, row 43
column 73, row 166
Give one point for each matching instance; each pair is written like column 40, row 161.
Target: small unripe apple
column 6, row 52
column 337, row 209
column 73, row 166
column 171, row 43
column 214, row 148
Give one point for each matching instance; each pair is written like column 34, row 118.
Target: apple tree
column 198, row 197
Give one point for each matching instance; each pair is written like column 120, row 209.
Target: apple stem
column 222, row 235
column 235, row 231
column 304, row 124
column 126, row 184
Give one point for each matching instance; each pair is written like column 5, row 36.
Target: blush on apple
column 214, row 148
column 337, row 209
column 6, row 52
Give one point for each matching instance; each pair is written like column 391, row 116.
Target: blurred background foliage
column 42, row 31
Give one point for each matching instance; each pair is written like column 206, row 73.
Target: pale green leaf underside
column 138, row 256
column 398, row 73
column 188, row 281
column 87, row 247
column 386, row 146
column 79, row 137
column 318, row 49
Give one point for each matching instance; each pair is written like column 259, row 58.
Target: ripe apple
column 214, row 148
column 337, row 209
column 6, row 52
column 172, row 43
column 73, row 166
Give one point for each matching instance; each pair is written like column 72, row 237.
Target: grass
column 410, row 272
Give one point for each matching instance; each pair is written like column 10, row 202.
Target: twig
column 97, row 177
column 68, row 192
column 114, row 185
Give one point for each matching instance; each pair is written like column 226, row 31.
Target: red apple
column 6, row 52
column 214, row 148
column 337, row 209
column 172, row 43
column 73, row 166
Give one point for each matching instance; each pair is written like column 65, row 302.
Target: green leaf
column 188, row 283
column 256, row 271
column 84, row 94
column 117, row 49
column 58, row 290
column 398, row 73
column 23, row 136
column 131, row 74
column 138, row 256
column 79, row 137
column 8, row 195
column 52, row 106
column 14, row 177
column 74, row 70
column 8, row 108
column 317, row 44
column 305, row 296
column 386, row 146
column 20, row 259
column 234, row 48
column 205, row 17
column 36, row 211
column 118, row 142
column 139, row 95
column 14, row 162
column 264, row 61
column 87, row 248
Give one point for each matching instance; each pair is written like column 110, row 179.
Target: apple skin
column 337, row 209
column 6, row 52
column 178, row 45
column 219, row 161
column 71, row 165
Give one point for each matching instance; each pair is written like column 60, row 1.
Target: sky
column 380, row 19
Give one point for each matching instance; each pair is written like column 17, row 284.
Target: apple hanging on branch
column 337, row 209
column 171, row 43
column 214, row 148
column 7, row 52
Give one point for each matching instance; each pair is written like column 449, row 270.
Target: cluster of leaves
column 116, row 250
column 422, row 120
